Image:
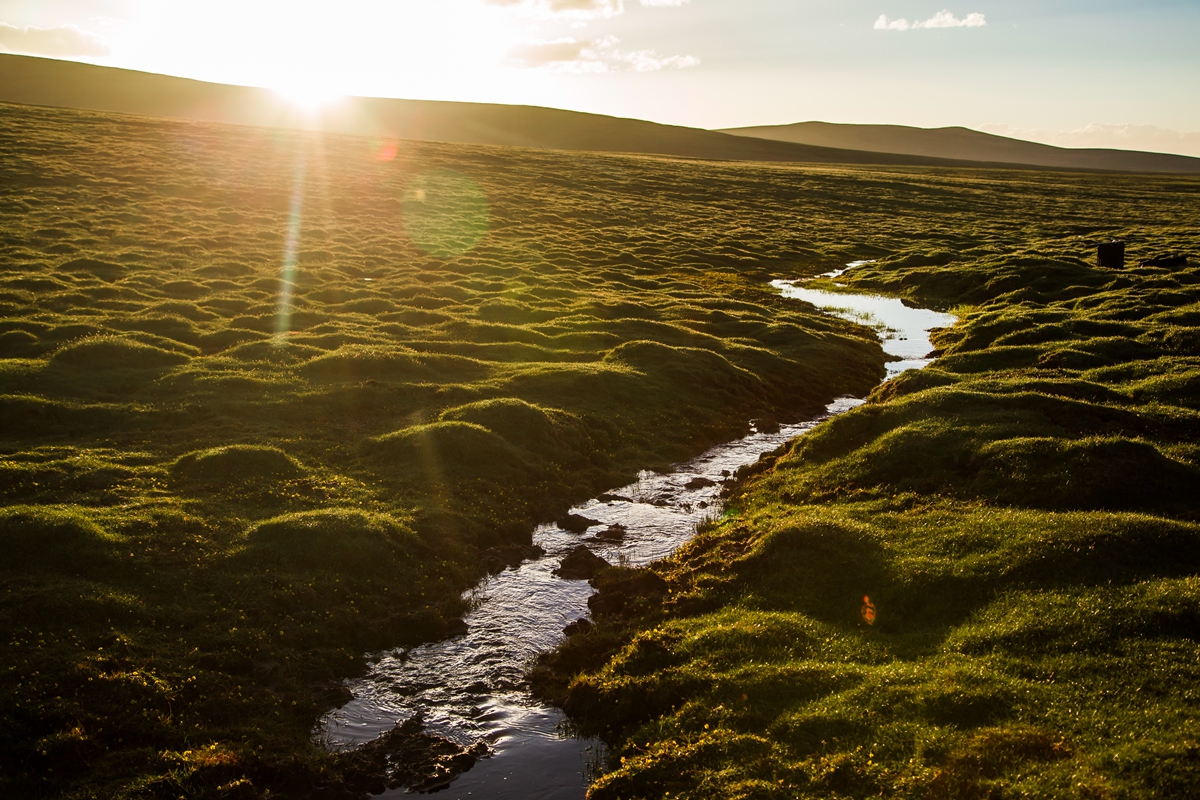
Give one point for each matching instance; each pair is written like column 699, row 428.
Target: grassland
column 271, row 400
column 1022, row 518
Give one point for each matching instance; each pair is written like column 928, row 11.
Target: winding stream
column 472, row 688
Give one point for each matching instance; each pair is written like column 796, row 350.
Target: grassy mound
column 115, row 352
column 57, row 538
column 334, row 538
column 450, row 451
column 548, row 433
column 236, row 463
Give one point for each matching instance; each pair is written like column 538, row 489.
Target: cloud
column 63, row 41
column 1124, row 136
column 942, row 19
column 579, row 9
column 593, row 55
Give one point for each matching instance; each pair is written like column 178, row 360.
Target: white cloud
column 579, row 9
column 1119, row 136
column 942, row 19
column 885, row 24
column 593, row 55
column 61, row 41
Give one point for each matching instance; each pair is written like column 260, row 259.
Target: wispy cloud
column 62, row 41
column 593, row 55
column 942, row 19
column 579, row 9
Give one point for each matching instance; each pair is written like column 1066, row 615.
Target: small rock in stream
column 613, row 498
column 580, row 564
column 613, row 533
column 699, row 482
column 767, row 424
column 412, row 759
column 576, row 523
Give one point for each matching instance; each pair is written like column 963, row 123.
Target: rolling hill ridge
column 966, row 145
column 67, row 84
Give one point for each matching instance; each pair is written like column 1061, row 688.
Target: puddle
column 472, row 687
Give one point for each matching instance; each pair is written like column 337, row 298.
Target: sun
column 308, row 96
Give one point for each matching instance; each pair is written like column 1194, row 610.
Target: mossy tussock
column 332, row 539
column 61, row 539
column 235, row 464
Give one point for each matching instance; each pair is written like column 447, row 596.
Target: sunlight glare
column 308, row 96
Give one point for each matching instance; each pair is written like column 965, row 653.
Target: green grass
column 230, row 465
column 1021, row 515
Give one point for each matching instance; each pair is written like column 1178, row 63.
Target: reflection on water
column 472, row 687
column 904, row 331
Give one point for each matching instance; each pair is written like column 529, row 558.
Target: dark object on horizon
column 1111, row 254
column 1173, row 260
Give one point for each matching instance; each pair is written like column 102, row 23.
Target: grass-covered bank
column 1022, row 518
column 269, row 401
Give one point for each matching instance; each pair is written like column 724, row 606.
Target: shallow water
column 904, row 331
column 472, row 687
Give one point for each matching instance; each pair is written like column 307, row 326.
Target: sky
column 1077, row 73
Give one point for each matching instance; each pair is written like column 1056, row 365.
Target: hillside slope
column 68, row 84
column 966, row 145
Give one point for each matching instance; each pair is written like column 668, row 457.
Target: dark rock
column 766, row 424
column 497, row 559
column 580, row 625
column 1165, row 260
column 580, row 565
column 699, row 483
column 613, row 533
column 613, row 498
column 576, row 523
column 408, row 757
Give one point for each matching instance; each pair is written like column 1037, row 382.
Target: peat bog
column 269, row 400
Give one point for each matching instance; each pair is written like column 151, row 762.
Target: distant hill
column 965, row 144
column 69, row 84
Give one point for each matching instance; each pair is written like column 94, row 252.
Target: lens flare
column 287, row 275
column 868, row 610
column 445, row 213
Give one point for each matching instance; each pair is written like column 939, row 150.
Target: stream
column 472, row 687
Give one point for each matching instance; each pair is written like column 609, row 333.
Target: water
column 903, row 331
column 472, row 687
